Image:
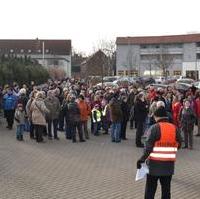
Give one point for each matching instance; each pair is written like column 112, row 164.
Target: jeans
column 151, row 186
column 74, row 126
column 20, row 130
column 116, row 131
column 55, row 127
column 96, row 127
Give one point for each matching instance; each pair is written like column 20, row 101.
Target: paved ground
column 97, row 169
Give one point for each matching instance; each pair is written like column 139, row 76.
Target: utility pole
column 43, row 48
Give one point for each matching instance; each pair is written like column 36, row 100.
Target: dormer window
column 11, row 50
column 29, row 51
column 22, row 50
column 47, row 50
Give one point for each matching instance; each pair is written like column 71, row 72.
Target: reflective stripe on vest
column 98, row 115
column 165, row 149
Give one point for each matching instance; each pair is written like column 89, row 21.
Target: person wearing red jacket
column 85, row 111
column 176, row 108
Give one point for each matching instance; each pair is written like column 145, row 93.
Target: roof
column 189, row 38
column 57, row 47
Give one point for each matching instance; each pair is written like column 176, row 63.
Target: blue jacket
column 9, row 102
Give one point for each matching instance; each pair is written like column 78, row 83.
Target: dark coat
column 74, row 112
column 158, row 168
column 125, row 111
column 115, row 111
column 140, row 111
column 187, row 118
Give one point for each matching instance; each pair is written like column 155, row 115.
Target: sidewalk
column 97, row 169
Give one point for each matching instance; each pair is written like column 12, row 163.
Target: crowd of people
column 71, row 105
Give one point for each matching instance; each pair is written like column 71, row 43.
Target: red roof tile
column 190, row 38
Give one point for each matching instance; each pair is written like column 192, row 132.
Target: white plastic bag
column 142, row 172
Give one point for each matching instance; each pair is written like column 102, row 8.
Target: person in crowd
column 176, row 108
column 125, row 117
column 96, row 119
column 64, row 109
column 197, row 110
column 38, row 111
column 20, row 121
column 53, row 105
column 140, row 111
column 85, row 111
column 187, row 120
column 116, row 119
column 29, row 114
column 105, row 116
column 162, row 136
column 74, row 119
column 9, row 105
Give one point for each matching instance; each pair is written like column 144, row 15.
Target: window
column 198, row 44
column 47, row 50
column 22, row 51
column 120, row 72
column 133, row 73
column 198, row 56
column 55, row 62
column 11, row 50
column 177, row 72
column 39, row 51
column 143, row 46
column 29, row 51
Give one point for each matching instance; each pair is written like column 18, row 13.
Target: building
column 49, row 53
column 77, row 60
column 95, row 65
column 172, row 55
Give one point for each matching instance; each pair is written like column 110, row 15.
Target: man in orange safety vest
column 160, row 150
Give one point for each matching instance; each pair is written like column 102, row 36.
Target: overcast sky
column 87, row 21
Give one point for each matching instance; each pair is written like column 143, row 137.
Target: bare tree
column 109, row 48
column 131, row 61
column 164, row 60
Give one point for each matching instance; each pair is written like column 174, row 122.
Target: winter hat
column 160, row 112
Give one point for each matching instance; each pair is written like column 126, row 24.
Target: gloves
column 139, row 162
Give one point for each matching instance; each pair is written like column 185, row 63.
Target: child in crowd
column 20, row 120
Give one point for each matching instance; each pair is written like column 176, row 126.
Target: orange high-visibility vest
column 165, row 149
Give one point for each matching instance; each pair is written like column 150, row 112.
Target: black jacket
column 74, row 112
column 158, row 168
column 140, row 110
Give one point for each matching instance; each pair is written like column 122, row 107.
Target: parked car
column 157, row 86
column 110, row 78
column 197, row 85
column 182, row 86
column 186, row 81
column 160, row 80
column 107, row 84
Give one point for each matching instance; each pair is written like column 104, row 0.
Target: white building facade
column 179, row 54
column 49, row 53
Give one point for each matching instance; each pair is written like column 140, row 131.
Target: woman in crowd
column 187, row 120
column 38, row 111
